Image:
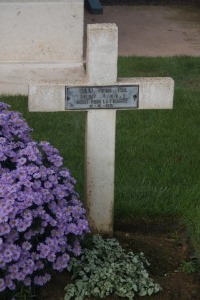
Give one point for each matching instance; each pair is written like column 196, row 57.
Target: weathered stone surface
column 40, row 39
column 102, row 39
column 154, row 93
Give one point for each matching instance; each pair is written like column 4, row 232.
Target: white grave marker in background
column 101, row 94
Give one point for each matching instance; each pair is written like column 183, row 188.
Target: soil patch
column 165, row 244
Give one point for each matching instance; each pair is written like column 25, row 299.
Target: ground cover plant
column 157, row 152
column 104, row 269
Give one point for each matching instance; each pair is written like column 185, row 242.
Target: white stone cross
column 101, row 70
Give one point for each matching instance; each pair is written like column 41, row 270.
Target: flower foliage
column 41, row 217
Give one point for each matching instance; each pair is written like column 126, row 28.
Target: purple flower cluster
column 41, row 217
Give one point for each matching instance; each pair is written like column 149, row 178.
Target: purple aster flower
column 65, row 173
column 27, row 214
column 35, row 256
column 47, row 184
column 4, row 229
column 72, row 228
column 2, row 285
column 26, row 245
column 53, row 179
column 16, row 254
column 28, row 235
column 51, row 257
column 23, row 225
column 37, row 202
column 9, row 283
column 30, row 262
column 21, row 161
column 42, row 230
column 43, row 249
column 20, row 276
column 31, row 169
column 41, row 280
column 36, row 184
column 61, row 262
column 44, row 223
column 27, row 281
column 39, row 265
column 36, row 175
column 7, row 254
column 61, row 241
column 13, row 268
column 50, row 242
column 27, row 270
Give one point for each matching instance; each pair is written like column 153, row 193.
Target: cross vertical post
column 100, row 129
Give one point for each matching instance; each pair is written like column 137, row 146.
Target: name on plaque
column 105, row 97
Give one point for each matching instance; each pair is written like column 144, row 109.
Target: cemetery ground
column 165, row 242
column 157, row 179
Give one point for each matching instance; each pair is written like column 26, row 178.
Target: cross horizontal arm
column 154, row 93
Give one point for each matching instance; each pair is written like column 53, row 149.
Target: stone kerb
column 40, row 40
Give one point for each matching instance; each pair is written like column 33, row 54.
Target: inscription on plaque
column 92, row 97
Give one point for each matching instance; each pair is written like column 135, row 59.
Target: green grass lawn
column 157, row 152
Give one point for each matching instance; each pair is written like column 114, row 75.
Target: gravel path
column 151, row 2
column 153, row 30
